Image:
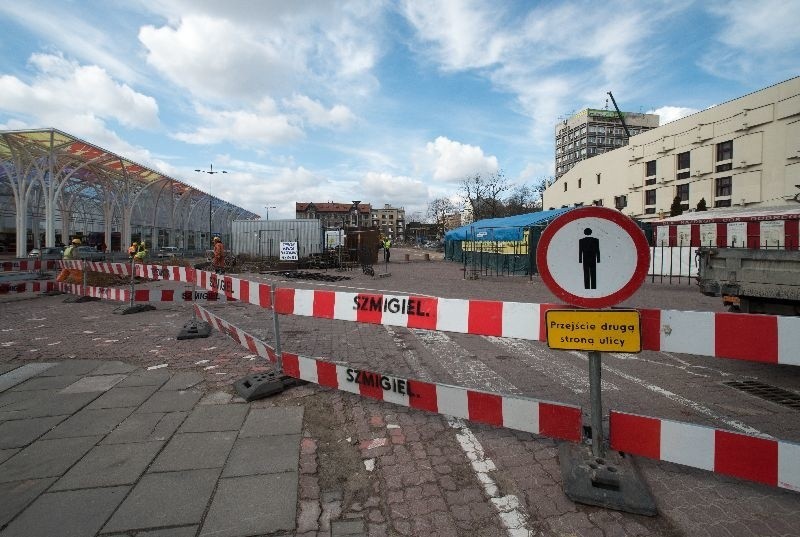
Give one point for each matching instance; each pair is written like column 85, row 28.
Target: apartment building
column 390, row 222
column 336, row 215
column 593, row 132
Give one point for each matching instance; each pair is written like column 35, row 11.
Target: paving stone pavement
column 171, row 451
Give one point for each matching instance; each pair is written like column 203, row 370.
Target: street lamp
column 210, row 171
column 268, row 208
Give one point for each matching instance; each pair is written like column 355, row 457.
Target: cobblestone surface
column 398, row 471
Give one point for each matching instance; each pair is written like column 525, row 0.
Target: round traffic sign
column 593, row 257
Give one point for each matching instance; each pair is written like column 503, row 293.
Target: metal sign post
column 594, row 257
column 193, row 328
column 276, row 328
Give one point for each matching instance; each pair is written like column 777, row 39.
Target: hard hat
column 216, row 239
column 76, row 241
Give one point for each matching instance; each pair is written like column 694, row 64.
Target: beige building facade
column 390, row 222
column 745, row 152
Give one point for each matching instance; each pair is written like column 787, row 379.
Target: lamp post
column 268, row 207
column 210, row 171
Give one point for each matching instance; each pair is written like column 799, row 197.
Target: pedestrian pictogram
column 593, row 257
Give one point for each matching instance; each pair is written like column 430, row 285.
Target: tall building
column 592, row 132
column 744, row 152
column 336, row 215
column 390, row 222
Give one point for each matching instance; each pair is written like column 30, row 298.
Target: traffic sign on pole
column 593, row 257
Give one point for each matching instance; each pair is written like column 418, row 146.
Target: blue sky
column 384, row 102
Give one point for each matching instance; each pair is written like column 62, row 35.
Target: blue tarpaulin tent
column 509, row 228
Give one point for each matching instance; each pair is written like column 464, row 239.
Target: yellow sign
column 594, row 330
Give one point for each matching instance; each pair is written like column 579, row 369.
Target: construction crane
column 621, row 118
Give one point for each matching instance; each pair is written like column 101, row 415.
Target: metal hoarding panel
column 263, row 237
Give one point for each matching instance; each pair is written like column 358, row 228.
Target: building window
column 650, row 181
column 650, row 210
column 682, row 191
column 565, row 186
column 725, row 150
column 722, row 203
column 650, row 197
column 580, row 182
column 683, row 160
column 597, row 203
column 723, row 186
column 650, row 168
column 620, row 202
column 598, row 178
column 724, row 167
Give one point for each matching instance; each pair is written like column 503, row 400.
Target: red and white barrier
column 104, row 293
column 236, row 288
column 763, row 460
column 164, row 272
column 723, row 335
column 25, row 287
column 554, row 420
column 25, row 265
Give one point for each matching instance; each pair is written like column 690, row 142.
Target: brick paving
column 372, row 468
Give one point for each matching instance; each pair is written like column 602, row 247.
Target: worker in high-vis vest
column 141, row 252
column 132, row 249
column 387, row 244
column 70, row 275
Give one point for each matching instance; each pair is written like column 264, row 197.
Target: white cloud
column 756, row 38
column 668, row 114
column 245, row 50
column 264, row 124
column 448, row 160
column 394, row 189
column 63, row 94
column 338, row 117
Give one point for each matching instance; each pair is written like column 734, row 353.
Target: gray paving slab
column 6, row 454
column 119, row 397
column 192, row 451
column 146, row 427
column 343, row 528
column 273, row 421
column 46, row 383
column 46, row 404
column 99, row 383
column 171, row 401
column 90, row 422
column 205, row 418
column 72, row 367
column 9, row 397
column 110, row 465
column 16, row 496
column 252, row 505
column 165, row 499
column 183, row 381
column 157, row 377
column 75, row 513
column 5, row 368
column 113, row 368
column 46, row 458
column 185, row 531
column 263, row 455
column 20, row 433
column 21, row 374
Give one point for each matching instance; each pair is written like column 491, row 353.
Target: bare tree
column 484, row 194
column 438, row 210
column 523, row 199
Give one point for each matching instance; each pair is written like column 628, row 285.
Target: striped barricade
column 164, row 272
column 103, row 293
column 722, row 335
column 25, row 265
column 25, row 287
column 235, row 288
column 763, row 460
column 554, row 420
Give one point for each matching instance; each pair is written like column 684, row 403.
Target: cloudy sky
column 385, row 102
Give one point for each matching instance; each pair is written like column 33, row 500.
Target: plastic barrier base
column 136, row 308
column 611, row 481
column 80, row 299
column 261, row 385
column 194, row 329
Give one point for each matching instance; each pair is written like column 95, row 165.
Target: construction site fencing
column 724, row 335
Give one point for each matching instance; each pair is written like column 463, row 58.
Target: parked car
column 88, row 253
column 53, row 252
column 169, row 251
